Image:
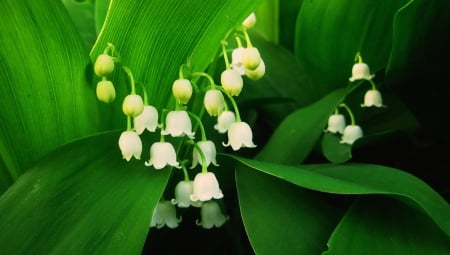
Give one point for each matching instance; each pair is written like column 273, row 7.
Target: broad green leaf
column 385, row 226
column 82, row 14
column 45, row 99
column 154, row 38
column 299, row 131
column 82, row 198
column 281, row 218
column 354, row 179
column 330, row 33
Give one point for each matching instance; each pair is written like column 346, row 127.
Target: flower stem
column 200, row 124
column 210, row 79
column 130, row 75
column 185, row 172
column 358, row 57
column 129, row 123
column 233, row 103
column 202, row 156
column 225, row 55
column 247, row 39
column 374, row 87
column 350, row 113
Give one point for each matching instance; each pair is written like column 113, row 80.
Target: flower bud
column 104, row 65
column 132, row 105
column 258, row 73
column 373, row 98
column 214, row 102
column 250, row 21
column 232, row 82
column 182, row 90
column 251, row 58
column 105, row 91
column 351, row 134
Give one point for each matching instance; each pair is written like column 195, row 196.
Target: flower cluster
column 183, row 125
column 336, row 122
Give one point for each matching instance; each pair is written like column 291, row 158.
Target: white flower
column 240, row 135
column 232, row 82
column 373, row 98
column 209, row 150
column 105, row 91
column 178, row 124
column 351, row 134
column 205, row 187
column 224, row 121
column 361, row 71
column 104, row 65
column 183, row 192
column 133, row 105
column 236, row 60
column 251, row 58
column 148, row 119
column 258, row 73
column 130, row 145
column 214, row 102
column 165, row 214
column 336, row 123
column 250, row 21
column 182, row 90
column 211, row 215
column 162, row 154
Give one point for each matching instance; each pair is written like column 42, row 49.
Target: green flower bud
column 214, row 102
column 232, row 82
column 258, row 73
column 133, row 105
column 182, row 90
column 251, row 58
column 105, row 91
column 104, row 65
column 250, row 21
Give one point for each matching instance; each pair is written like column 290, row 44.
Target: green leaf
column 335, row 151
column 353, row 179
column 299, row 131
column 46, row 100
column 323, row 26
column 154, row 38
column 82, row 198
column 385, row 226
column 281, row 218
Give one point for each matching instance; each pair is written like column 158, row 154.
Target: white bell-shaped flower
column 236, row 60
column 232, row 82
column 211, row 215
column 130, row 145
column 336, row 123
column 214, row 102
column 165, row 214
column 250, row 21
column 258, row 73
column 178, row 124
column 224, row 121
column 205, row 187
column 361, row 71
column 251, row 58
column 148, row 119
column 351, row 134
column 373, row 98
column 133, row 105
column 240, row 135
column 104, row 65
column 182, row 90
column 161, row 155
column 183, row 192
column 209, row 150
column 105, row 91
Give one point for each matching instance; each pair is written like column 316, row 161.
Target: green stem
column 225, row 55
column 238, row 41
column 374, row 87
column 202, row 156
column 247, row 39
column 210, row 79
column 130, row 75
column 233, row 103
column 358, row 57
column 350, row 113
column 200, row 124
column 185, row 172
column 129, row 128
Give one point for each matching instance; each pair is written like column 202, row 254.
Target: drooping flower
column 161, row 155
column 205, row 187
column 211, row 215
column 251, row 58
column 165, row 214
column 104, row 65
column 250, row 21
column 258, row 73
column 130, row 145
column 183, row 192
column 209, row 150
column 336, row 123
column 148, row 119
column 361, row 71
column 232, row 82
column 214, row 102
column 224, row 121
column 236, row 60
column 178, row 124
column 182, row 90
column 105, row 91
column 240, row 135
column 373, row 98
column 351, row 134
column 133, row 105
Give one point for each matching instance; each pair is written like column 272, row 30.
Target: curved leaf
column 81, row 199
